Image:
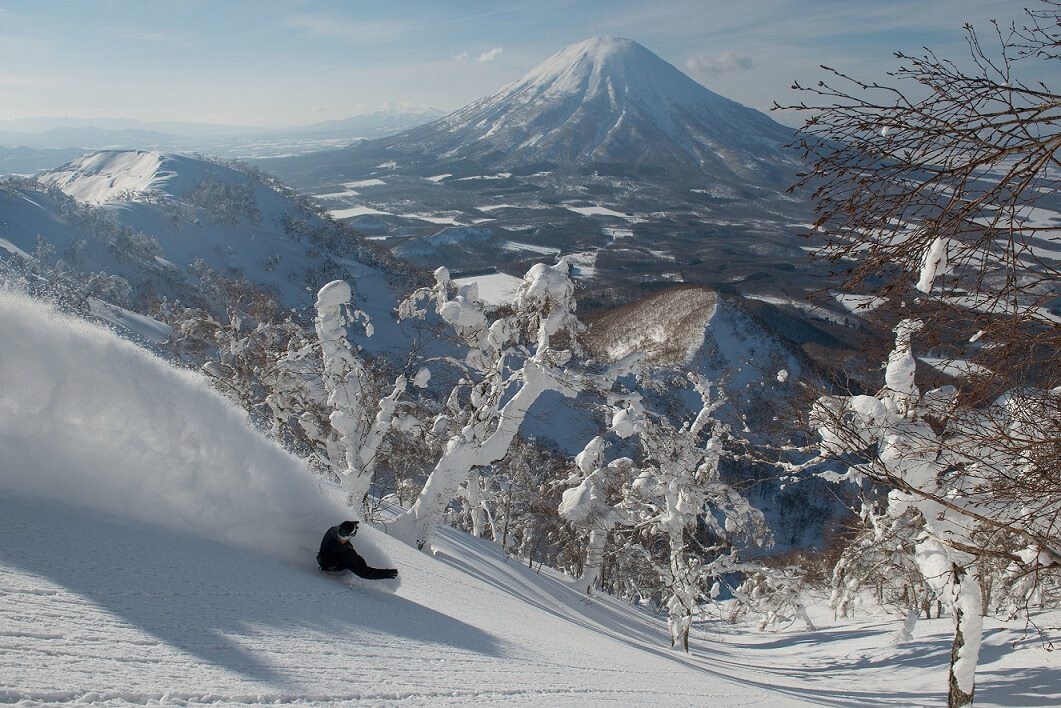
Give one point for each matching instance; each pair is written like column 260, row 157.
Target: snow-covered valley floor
column 153, row 548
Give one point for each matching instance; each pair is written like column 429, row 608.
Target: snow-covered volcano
column 607, row 101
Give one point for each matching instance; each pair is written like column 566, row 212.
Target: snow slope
column 156, row 549
column 118, row 175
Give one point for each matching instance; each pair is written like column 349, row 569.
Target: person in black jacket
column 336, row 553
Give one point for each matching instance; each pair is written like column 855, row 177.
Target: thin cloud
column 342, row 29
column 488, row 55
column 715, row 64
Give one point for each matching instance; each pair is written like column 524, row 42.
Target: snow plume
column 89, row 419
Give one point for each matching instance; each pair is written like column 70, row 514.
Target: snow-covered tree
column 670, row 493
column 930, row 453
column 884, row 559
column 591, row 506
column 358, row 418
column 774, row 595
column 511, row 362
column 927, row 189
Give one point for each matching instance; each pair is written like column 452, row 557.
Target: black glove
column 390, row 573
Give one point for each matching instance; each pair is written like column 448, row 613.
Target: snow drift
column 91, row 420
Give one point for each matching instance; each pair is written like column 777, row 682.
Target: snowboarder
column 336, row 553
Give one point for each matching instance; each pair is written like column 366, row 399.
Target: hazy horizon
column 285, row 64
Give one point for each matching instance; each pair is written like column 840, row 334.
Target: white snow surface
column 124, row 175
column 142, row 326
column 356, row 211
column 598, row 211
column 157, row 549
column 859, row 304
column 515, row 246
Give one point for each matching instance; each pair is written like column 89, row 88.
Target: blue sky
column 287, row 62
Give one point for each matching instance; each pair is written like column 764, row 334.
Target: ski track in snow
column 131, row 573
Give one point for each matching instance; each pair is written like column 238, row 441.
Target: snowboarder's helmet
column 347, row 529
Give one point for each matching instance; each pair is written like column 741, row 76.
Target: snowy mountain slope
column 697, row 329
column 607, row 100
column 127, row 614
column 682, row 329
column 155, row 219
column 668, row 326
column 160, row 550
column 112, row 175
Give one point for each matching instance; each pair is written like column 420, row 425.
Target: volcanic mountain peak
column 608, row 100
column 606, row 65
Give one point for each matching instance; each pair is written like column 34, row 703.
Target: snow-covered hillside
column 167, row 223
column 157, row 549
column 695, row 328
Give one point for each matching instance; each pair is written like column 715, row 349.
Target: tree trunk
column 475, row 503
column 508, row 517
column 968, row 629
column 594, row 557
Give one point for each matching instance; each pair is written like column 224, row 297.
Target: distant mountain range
column 27, row 146
column 27, row 161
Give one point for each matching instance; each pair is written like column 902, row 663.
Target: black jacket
column 334, row 553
